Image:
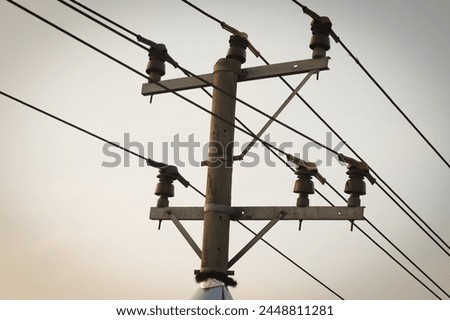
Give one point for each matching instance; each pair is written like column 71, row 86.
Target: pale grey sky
column 71, row 228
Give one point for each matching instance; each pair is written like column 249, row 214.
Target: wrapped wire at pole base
column 212, row 289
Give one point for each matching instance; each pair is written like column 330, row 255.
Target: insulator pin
column 238, row 46
column 320, row 40
column 304, row 186
column 164, row 188
column 156, row 67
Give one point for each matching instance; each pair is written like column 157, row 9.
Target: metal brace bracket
column 185, row 234
column 255, row 239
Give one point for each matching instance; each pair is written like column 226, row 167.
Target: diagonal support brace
column 255, row 239
column 185, row 234
column 278, row 112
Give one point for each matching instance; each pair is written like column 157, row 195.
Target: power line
column 118, row 146
column 405, row 256
column 168, row 89
column 334, row 189
column 421, row 227
column 105, row 18
column 164, row 87
column 76, row 38
column 392, row 244
column 150, row 162
column 395, row 260
column 385, row 251
column 413, row 212
column 145, row 48
column 142, row 75
column 194, row 189
column 203, row 12
column 270, row 148
column 101, row 23
column 189, row 73
column 377, row 84
column 293, row 262
column 315, row 16
column 249, row 132
column 398, row 249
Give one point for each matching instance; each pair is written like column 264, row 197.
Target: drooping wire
column 293, row 262
column 405, row 256
column 150, row 162
column 203, row 12
column 420, row 226
column 336, row 38
column 145, row 48
column 144, row 76
column 391, row 100
column 413, row 212
column 77, row 38
column 105, row 18
column 392, row 244
column 315, row 16
column 309, row 106
column 395, row 260
column 104, row 24
column 335, row 190
column 274, row 248
column 189, row 73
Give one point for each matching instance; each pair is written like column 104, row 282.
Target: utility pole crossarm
column 264, row 213
column 246, row 74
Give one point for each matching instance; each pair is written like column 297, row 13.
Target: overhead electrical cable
column 329, row 185
column 144, row 76
column 396, row 261
column 292, row 261
column 395, row 247
column 149, row 161
column 96, row 50
column 153, row 164
column 338, row 40
column 430, row 229
column 189, row 73
column 255, row 137
column 405, row 256
column 329, row 126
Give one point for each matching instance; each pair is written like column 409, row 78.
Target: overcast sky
column 73, row 228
